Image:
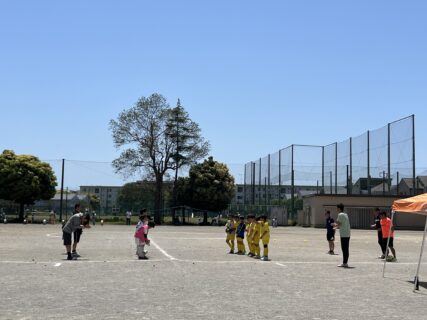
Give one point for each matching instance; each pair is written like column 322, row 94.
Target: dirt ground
column 190, row 275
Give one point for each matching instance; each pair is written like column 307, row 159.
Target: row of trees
column 157, row 141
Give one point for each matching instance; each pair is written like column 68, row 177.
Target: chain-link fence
column 377, row 162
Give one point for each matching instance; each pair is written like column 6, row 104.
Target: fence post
column 347, row 187
column 389, row 158
column 336, row 167
column 369, row 167
column 397, row 182
column 269, row 179
column 323, row 169
column 280, row 175
column 259, row 181
column 413, row 153
column 351, row 165
column 62, row 191
column 293, row 181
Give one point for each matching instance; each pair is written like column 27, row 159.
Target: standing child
column 330, row 232
column 265, row 236
column 249, row 226
column 141, row 239
column 240, row 233
column 256, row 234
column 230, row 230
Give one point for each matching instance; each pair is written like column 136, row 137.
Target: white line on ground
column 203, row 238
column 170, row 258
column 52, row 235
column 83, row 261
column 281, row 265
column 162, row 251
column 57, row 264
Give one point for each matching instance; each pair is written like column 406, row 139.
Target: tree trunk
column 21, row 212
column 174, row 195
column 205, row 218
column 158, row 206
column 183, row 215
column 173, row 215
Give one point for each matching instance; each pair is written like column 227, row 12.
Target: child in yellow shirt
column 240, row 235
column 265, row 236
column 256, row 234
column 249, row 226
column 230, row 230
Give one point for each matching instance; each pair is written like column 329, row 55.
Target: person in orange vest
column 387, row 231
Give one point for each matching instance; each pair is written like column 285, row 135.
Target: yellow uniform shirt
column 256, row 229
column 235, row 224
column 265, row 230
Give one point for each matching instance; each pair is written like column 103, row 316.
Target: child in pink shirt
column 141, row 236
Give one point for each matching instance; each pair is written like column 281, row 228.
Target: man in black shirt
column 330, row 232
column 377, row 225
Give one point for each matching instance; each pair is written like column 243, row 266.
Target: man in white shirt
column 128, row 217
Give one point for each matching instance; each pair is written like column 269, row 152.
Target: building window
column 240, row 189
column 96, row 190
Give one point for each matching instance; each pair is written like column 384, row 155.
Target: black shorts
column 330, row 235
column 77, row 235
column 67, row 238
column 390, row 244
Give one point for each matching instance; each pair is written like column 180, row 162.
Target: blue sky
column 256, row 76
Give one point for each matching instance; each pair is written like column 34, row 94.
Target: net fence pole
column 62, row 190
column 389, row 158
column 253, row 182
column 397, row 182
column 369, row 166
column 259, row 181
column 336, row 167
column 293, row 181
column 347, row 186
column 351, row 165
column 269, row 179
column 280, row 175
column 244, row 185
column 413, row 154
column 323, row 169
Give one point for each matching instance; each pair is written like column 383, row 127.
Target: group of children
column 257, row 230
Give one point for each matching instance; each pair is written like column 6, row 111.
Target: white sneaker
column 343, row 265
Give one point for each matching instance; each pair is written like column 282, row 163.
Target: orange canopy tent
column 414, row 205
column 417, row 205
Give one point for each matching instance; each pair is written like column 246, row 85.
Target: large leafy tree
column 189, row 145
column 94, row 202
column 210, row 186
column 25, row 179
column 142, row 132
column 136, row 195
